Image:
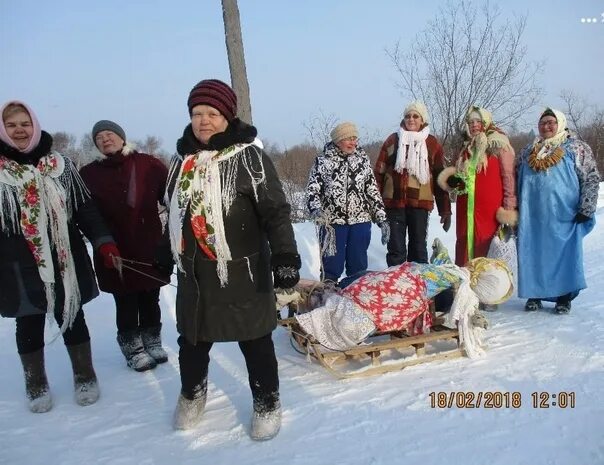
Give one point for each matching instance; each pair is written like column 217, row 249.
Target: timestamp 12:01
column 551, row 399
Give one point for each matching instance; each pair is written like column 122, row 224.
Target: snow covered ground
column 386, row 419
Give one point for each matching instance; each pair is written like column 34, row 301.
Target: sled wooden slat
column 397, row 343
column 370, row 355
column 389, row 367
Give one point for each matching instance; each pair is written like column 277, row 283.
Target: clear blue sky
column 134, row 62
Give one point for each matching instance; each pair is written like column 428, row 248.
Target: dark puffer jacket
column 21, row 288
column 344, row 188
column 259, row 234
column 126, row 188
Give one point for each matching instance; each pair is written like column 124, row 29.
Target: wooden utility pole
column 234, row 45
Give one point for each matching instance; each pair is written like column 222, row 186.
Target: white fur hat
column 419, row 108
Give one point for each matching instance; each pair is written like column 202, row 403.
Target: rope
column 119, row 264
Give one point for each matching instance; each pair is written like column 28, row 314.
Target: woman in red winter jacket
column 127, row 186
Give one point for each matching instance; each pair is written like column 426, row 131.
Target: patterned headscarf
column 491, row 141
column 545, row 146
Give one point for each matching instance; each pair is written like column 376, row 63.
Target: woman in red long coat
column 484, row 182
column 127, row 186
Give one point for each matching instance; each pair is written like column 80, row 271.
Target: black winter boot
column 562, row 304
column 532, row 305
column 152, row 343
column 190, row 407
column 132, row 347
column 84, row 378
column 36, row 383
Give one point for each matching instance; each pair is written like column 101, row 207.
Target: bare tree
column 65, row 144
column 293, row 166
column 318, row 127
column 587, row 120
column 577, row 111
column 234, row 45
column 151, row 145
column 88, row 150
column 468, row 55
column 520, row 139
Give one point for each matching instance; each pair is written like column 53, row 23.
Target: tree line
column 83, row 151
column 293, row 163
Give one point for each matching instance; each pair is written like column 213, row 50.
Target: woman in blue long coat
column 558, row 184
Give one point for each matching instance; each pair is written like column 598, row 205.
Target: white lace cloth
column 338, row 325
column 504, row 249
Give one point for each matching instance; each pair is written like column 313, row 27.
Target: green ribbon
column 471, row 190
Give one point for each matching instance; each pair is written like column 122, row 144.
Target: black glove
column 454, row 182
column 163, row 260
column 581, row 218
column 285, row 270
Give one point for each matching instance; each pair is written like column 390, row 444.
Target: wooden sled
column 369, row 359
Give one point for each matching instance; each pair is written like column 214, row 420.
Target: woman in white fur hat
column 406, row 169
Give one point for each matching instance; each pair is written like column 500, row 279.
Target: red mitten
column 107, row 252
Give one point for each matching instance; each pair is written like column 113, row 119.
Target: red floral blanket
column 395, row 299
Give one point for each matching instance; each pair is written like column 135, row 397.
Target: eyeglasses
column 412, row 116
column 548, row 122
column 474, row 121
column 101, row 137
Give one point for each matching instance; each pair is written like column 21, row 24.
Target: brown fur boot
column 36, row 383
column 84, row 378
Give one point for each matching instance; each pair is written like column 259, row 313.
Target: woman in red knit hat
column 229, row 227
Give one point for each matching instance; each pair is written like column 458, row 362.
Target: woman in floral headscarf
column 229, row 228
column 44, row 265
column 558, row 185
column 485, row 186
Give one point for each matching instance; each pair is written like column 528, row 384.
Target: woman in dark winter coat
column 229, row 226
column 45, row 266
column 127, row 186
column 344, row 199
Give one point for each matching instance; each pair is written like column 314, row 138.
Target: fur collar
column 237, row 132
column 32, row 157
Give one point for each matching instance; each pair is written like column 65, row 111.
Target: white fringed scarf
column 208, row 191
column 34, row 202
column 412, row 154
column 465, row 305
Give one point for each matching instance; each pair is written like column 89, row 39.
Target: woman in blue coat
column 558, row 185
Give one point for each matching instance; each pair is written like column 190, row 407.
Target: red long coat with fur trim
column 495, row 203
